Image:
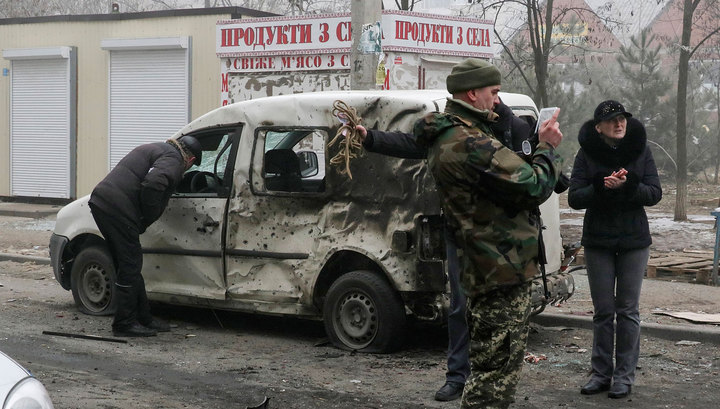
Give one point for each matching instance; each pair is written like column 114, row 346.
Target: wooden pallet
column 689, row 265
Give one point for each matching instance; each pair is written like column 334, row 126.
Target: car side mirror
column 308, row 163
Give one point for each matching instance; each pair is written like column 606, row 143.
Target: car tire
column 93, row 281
column 362, row 312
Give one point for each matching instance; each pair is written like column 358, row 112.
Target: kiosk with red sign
column 283, row 55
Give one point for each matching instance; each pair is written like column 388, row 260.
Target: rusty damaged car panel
column 268, row 225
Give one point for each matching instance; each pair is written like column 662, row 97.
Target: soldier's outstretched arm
column 396, row 144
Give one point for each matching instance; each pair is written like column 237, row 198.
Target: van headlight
column 28, row 394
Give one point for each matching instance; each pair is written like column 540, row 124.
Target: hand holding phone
column 616, row 179
column 545, row 114
column 548, row 130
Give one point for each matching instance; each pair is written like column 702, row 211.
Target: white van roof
column 299, row 109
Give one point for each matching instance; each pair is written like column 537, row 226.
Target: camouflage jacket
column 488, row 193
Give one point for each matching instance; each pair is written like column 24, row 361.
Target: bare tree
column 687, row 50
column 288, row 7
column 714, row 78
column 406, row 4
column 35, row 8
column 549, row 31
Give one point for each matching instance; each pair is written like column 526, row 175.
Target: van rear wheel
column 93, row 281
column 363, row 312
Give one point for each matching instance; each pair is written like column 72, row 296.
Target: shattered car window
column 219, row 156
column 294, row 160
column 213, row 176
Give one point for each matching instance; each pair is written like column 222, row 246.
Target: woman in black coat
column 613, row 178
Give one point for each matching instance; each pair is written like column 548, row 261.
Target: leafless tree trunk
column 681, row 112
column 686, row 52
column 717, row 145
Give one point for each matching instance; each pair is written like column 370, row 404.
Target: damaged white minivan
column 268, row 226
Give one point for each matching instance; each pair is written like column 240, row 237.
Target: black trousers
column 123, row 241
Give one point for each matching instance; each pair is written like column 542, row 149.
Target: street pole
column 363, row 62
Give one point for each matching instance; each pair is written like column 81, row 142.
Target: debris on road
column 83, row 336
column 574, row 348
column 533, row 359
column 696, row 317
column 262, row 405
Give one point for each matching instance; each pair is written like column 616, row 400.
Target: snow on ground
column 698, row 232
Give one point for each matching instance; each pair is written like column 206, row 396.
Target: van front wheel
column 93, row 280
column 362, row 312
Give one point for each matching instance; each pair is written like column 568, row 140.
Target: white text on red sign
column 402, row 31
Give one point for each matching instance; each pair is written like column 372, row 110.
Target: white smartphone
column 545, row 114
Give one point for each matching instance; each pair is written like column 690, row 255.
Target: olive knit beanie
column 472, row 73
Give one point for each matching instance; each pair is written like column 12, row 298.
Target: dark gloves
column 562, row 184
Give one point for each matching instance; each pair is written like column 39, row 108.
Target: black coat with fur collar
column 614, row 218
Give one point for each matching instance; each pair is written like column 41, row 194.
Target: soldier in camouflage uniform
column 489, row 194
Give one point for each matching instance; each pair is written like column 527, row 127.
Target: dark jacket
column 138, row 188
column 615, row 218
column 395, row 144
column 508, row 129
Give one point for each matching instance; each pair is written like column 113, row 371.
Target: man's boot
column 125, row 323
column 143, row 311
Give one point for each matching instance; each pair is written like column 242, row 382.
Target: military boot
column 143, row 311
column 125, row 323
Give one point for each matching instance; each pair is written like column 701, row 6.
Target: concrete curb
column 33, row 214
column 669, row 332
column 19, row 258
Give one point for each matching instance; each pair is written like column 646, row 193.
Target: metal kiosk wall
column 149, row 91
column 43, row 121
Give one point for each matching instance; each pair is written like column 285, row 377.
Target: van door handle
column 208, row 224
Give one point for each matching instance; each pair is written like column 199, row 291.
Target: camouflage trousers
column 498, row 322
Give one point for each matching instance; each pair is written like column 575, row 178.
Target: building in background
column 82, row 91
column 78, row 92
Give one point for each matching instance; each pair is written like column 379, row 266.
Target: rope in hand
column 347, row 135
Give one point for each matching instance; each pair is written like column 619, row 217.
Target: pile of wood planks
column 688, row 265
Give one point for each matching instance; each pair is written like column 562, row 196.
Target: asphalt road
column 215, row 359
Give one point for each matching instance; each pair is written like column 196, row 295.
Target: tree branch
column 666, row 153
column 717, row 30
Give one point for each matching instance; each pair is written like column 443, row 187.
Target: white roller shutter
column 42, row 140
column 149, row 94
